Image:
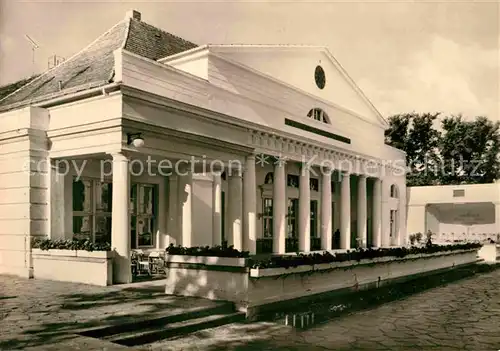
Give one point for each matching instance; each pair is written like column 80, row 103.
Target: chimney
column 133, row 14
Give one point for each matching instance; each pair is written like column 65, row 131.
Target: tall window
column 292, row 181
column 292, row 241
column 394, row 191
column 293, row 205
column 314, row 184
column 315, row 238
column 92, row 201
column 392, row 231
column 314, row 219
column 142, row 211
column 267, row 218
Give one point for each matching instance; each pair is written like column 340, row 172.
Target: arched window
column 269, row 178
column 319, row 115
column 394, row 191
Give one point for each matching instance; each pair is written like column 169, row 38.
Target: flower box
column 77, row 266
column 270, row 272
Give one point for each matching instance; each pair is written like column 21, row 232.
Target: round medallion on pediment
column 319, row 77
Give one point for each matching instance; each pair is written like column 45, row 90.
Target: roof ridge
column 44, row 74
column 127, row 33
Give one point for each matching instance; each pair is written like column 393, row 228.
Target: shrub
column 413, row 238
column 217, row 251
column 418, row 237
column 60, row 244
column 355, row 255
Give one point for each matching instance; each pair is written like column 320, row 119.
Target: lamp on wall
column 135, row 139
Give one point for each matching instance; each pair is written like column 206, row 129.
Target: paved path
column 37, row 313
column 464, row 315
column 43, row 315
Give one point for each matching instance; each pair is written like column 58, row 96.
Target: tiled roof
column 93, row 66
column 12, row 87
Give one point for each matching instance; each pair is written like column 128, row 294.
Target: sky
column 406, row 56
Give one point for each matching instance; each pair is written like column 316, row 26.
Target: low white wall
column 215, row 278
column 228, row 279
column 489, row 252
column 93, row 268
column 278, row 284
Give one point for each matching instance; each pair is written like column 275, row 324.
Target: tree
column 469, row 150
column 463, row 152
column 414, row 133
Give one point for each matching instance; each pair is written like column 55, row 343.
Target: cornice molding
column 195, row 139
column 301, row 151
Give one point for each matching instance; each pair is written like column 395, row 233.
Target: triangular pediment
column 296, row 66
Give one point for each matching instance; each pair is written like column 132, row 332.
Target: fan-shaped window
column 394, row 191
column 319, row 115
column 269, row 178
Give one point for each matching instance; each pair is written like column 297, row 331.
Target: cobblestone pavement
column 464, row 315
column 38, row 314
column 43, row 315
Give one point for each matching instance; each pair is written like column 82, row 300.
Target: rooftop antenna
column 34, row 46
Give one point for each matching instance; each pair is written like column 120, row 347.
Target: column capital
column 118, row 156
column 327, row 171
column 234, row 172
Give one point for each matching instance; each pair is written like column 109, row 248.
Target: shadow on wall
column 201, row 212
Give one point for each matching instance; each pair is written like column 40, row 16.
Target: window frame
column 138, row 215
column 292, row 208
column 93, row 213
column 267, row 218
column 314, row 233
column 319, row 115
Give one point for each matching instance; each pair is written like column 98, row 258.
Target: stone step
column 173, row 330
column 155, row 320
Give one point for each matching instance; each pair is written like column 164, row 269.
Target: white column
column 185, row 203
column 173, row 215
column 217, row 210
column 345, row 212
column 362, row 210
column 279, row 208
column 402, row 234
column 250, row 206
column 235, row 209
column 120, row 219
column 304, row 210
column 57, row 190
column 326, row 210
column 386, row 215
column 377, row 213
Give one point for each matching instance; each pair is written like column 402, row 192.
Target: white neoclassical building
column 118, row 143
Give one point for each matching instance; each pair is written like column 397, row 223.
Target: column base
column 122, row 270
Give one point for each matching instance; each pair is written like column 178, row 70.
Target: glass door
column 143, row 215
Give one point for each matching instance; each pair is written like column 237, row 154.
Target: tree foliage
column 458, row 151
